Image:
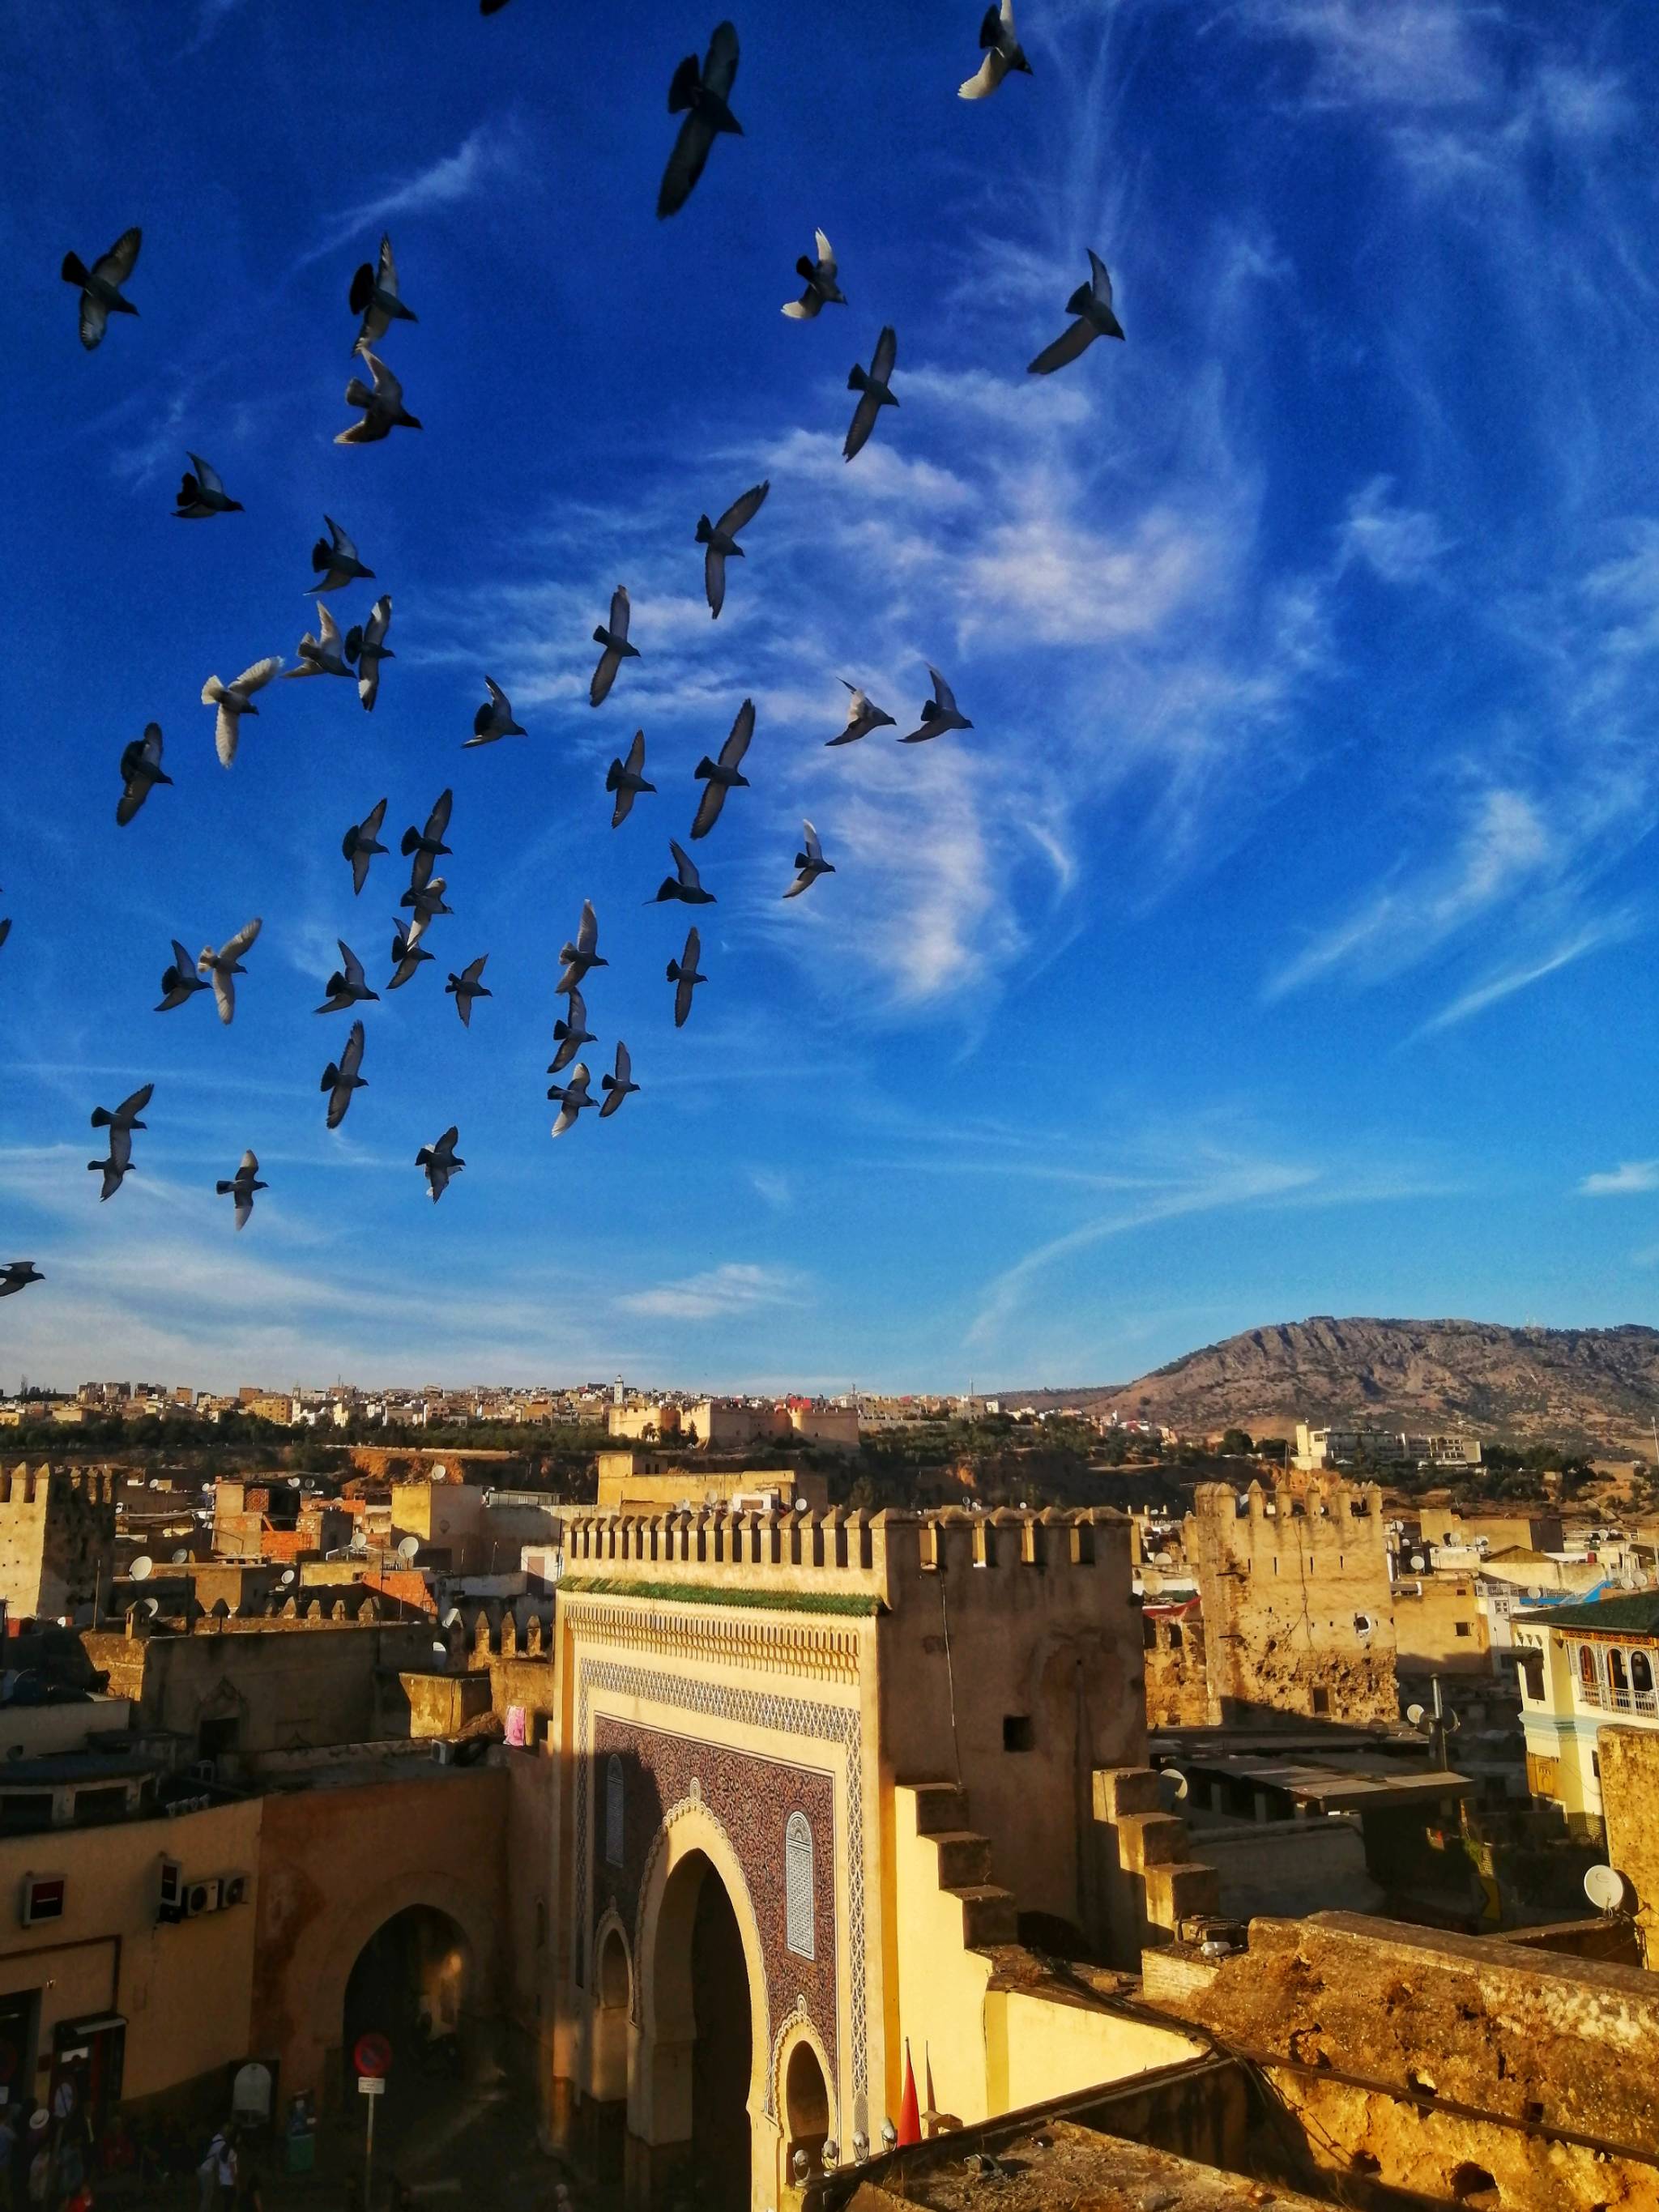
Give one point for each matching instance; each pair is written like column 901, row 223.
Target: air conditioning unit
column 202, row 1897
column 233, row 1888
column 443, row 1752
column 204, row 1770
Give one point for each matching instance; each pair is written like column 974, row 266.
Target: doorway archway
column 411, row 1983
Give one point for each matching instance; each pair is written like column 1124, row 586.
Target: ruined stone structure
column 57, row 1539
column 1294, row 1588
column 1177, row 1676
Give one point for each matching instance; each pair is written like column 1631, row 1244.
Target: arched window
column 1641, row 1672
column 1616, row 1669
column 1587, row 1666
column 613, row 1811
column 799, row 1916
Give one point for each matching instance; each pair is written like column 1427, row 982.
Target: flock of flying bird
column 701, row 94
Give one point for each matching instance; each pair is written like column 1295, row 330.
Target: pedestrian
column 207, row 2173
column 39, row 2182
column 227, row 2199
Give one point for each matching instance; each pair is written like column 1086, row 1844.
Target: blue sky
column 1278, row 942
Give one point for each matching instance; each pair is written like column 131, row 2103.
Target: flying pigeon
column 862, row 716
column 625, row 778
column 572, row 1033
column 427, row 845
column 17, row 1274
column 724, row 774
column 365, row 644
column 141, row 771
column 721, row 539
column 407, row 956
column 362, row 842
column 819, row 277
column 441, row 1161
column 494, row 719
column 373, row 296
column 179, row 980
column 702, row 96
column 1091, row 303
column 234, row 701
column 335, row 559
column 5, row 928
column 323, row 655
column 683, row 974
column 940, row 714
column 1003, row 52
column 222, row 966
column 685, row 884
column 341, row 1079
column 383, row 407
column 427, row 900
column 812, row 864
column 617, row 1086
column 467, row 987
column 120, row 1122
column 203, row 494
column 584, row 954
column 873, row 392
column 613, row 637
column 571, row 1098
column 241, row 1186
column 348, row 985
column 101, row 285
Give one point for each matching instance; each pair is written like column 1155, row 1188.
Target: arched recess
column 806, row 2099
column 692, row 1849
column 613, row 1993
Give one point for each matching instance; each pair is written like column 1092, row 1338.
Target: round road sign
column 371, row 2056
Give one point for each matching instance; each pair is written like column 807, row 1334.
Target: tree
column 1236, row 1443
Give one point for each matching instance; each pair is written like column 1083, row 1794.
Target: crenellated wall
column 56, row 1538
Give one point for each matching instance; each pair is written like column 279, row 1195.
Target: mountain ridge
column 1597, row 1386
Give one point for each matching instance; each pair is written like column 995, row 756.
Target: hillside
column 1597, row 1385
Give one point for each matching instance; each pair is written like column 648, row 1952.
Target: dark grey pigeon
column 584, row 954
column 810, row 863
column 721, row 540
column 724, row 774
column 617, row 1087
column 362, row 842
column 373, row 295
column 202, row 494
column 101, row 285
column 16, row 1275
column 427, row 845
column 874, row 392
column 572, row 1033
column 365, row 644
column 467, row 988
column 627, row 779
column 348, row 985
column 940, row 714
column 441, row 1161
column 336, row 561
column 702, row 96
column 819, row 277
column 120, row 1121
column 141, row 771
column 241, row 1186
column 407, row 954
column 494, row 719
column 1091, row 303
column 613, row 637
column 341, row 1079
column 683, row 974
column 179, row 980
column 571, row 1098
column 383, row 407
column 684, row 884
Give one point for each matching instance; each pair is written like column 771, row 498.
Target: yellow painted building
column 1581, row 1668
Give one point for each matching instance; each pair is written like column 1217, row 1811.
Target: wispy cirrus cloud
column 489, row 153
column 722, row 1293
column 1629, row 1179
column 1613, row 929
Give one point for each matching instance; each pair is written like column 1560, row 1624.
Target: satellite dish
column 1607, row 1889
column 181, row 1558
column 1414, row 1714
column 441, row 1650
column 1418, row 1562
column 152, row 1606
column 142, row 1568
column 407, row 1549
column 1172, row 1785
column 800, row 1505
column 293, row 1482
column 1362, row 1624
column 451, row 1616
column 286, row 1577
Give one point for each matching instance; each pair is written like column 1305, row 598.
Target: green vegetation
column 859, row 1604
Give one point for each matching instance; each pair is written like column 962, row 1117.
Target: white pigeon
column 819, row 277
column 348, row 985
column 467, row 988
column 584, row 954
column 141, row 771
column 940, row 714
column 341, row 1079
column 863, row 716
column 810, row 863
column 323, row 654
column 101, row 285
column 494, row 719
column 234, row 701
column 221, row 966
column 336, row 560
column 1091, row 303
column 441, row 1161
column 627, row 779
column 383, row 407
column 720, row 539
column 202, row 494
column 241, row 1186
column 362, row 842
column 571, row 1098
column 874, row 389
column 683, row 974
column 365, row 644
column 725, row 774
column 617, row 1087
column 684, row 884
column 613, row 637
column 374, row 296
column 1003, row 52
column 572, row 1033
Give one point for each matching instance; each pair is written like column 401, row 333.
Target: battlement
column 25, row 1488
column 851, row 1553
column 1316, row 1514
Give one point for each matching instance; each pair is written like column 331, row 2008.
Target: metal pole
column 368, row 2154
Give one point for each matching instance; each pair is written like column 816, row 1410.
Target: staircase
column 989, row 1915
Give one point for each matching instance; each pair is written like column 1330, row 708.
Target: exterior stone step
column 989, row 1915
column 964, row 1857
column 940, row 1806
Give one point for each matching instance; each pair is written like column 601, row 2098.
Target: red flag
column 909, row 2123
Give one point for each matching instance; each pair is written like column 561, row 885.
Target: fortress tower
column 57, row 1539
